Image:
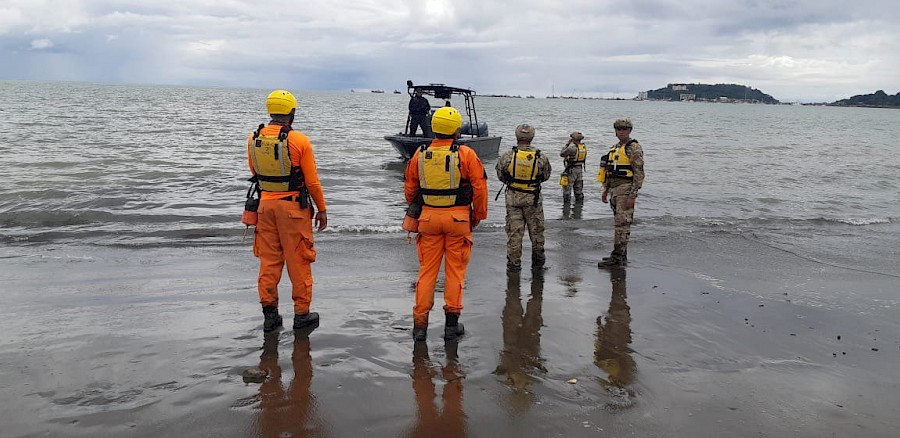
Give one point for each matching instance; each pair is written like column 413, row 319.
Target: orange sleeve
column 473, row 171
column 249, row 159
column 411, row 178
column 302, row 156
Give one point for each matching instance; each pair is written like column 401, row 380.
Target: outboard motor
column 468, row 129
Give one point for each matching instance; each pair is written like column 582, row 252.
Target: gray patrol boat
column 473, row 133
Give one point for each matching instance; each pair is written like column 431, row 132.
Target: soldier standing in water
column 574, row 154
column 624, row 177
column 523, row 169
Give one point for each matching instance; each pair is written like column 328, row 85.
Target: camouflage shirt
column 521, row 199
column 543, row 164
column 635, row 154
column 569, row 151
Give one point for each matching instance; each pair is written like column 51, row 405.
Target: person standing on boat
column 283, row 164
column 523, row 169
column 574, row 154
column 624, row 177
column 418, row 114
column 451, row 182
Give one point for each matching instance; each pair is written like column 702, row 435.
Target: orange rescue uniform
column 284, row 230
column 445, row 233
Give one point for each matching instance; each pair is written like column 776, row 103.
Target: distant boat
column 396, row 91
column 378, row 91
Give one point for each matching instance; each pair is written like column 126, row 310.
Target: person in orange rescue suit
column 282, row 163
column 449, row 180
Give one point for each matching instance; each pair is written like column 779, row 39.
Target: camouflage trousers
column 624, row 217
column 576, row 183
column 522, row 212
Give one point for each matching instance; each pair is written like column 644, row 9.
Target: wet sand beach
column 711, row 336
column 760, row 300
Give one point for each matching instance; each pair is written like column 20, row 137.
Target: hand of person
column 321, row 220
column 629, row 203
column 605, row 197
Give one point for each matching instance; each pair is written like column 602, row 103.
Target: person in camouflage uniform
column 625, row 176
column 523, row 169
column 574, row 154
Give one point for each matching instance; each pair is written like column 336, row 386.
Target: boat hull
column 485, row 147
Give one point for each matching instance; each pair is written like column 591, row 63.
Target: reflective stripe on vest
column 523, row 170
column 619, row 166
column 439, row 176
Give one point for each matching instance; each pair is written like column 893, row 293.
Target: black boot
column 614, row 259
column 537, row 260
column 420, row 334
column 452, row 328
column 272, row 318
column 304, row 320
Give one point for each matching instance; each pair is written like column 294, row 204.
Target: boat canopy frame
column 444, row 92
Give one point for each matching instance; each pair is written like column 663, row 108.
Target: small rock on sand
column 254, row 375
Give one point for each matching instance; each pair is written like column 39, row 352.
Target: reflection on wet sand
column 521, row 355
column 450, row 420
column 568, row 262
column 612, row 352
column 572, row 211
column 288, row 412
column 570, row 276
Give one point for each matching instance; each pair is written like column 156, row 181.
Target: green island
column 733, row 93
column 878, row 99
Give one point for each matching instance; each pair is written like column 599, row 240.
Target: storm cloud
column 794, row 50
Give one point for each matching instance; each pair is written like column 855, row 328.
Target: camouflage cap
column 524, row 132
column 623, row 123
column 577, row 136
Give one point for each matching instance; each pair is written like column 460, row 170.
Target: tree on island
column 730, row 92
column 878, row 99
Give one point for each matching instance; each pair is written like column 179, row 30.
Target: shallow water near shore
column 760, row 300
column 154, row 342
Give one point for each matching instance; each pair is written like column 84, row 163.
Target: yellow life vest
column 619, row 166
column 601, row 174
column 439, row 178
column 523, row 170
column 580, row 156
column 272, row 162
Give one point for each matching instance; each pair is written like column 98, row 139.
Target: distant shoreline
column 865, row 106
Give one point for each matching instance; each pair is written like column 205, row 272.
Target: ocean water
column 138, row 166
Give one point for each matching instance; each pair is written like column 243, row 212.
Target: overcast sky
column 795, row 50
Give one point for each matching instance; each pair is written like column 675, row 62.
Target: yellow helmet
column 281, row 102
column 446, row 120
